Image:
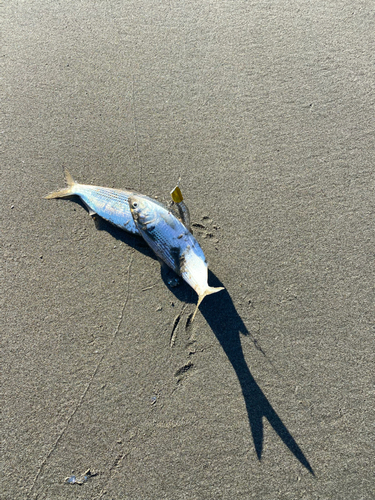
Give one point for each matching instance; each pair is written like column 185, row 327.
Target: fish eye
column 135, row 204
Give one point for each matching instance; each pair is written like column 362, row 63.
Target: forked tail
column 208, row 291
column 68, row 191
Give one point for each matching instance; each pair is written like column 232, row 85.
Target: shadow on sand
column 225, row 322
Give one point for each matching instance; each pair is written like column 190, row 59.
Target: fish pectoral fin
column 209, row 290
column 89, row 209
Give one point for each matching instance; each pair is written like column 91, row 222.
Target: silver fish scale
column 171, row 241
column 110, row 204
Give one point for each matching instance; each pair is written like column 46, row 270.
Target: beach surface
column 266, row 112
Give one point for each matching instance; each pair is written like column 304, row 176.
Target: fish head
column 142, row 210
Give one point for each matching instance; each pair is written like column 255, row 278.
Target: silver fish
column 172, row 243
column 110, row 204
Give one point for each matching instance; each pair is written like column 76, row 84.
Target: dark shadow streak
column 132, row 240
column 225, row 322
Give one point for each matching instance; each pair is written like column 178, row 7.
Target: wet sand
column 266, row 111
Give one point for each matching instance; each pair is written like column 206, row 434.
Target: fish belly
column 162, row 240
column 110, row 204
column 178, row 248
column 194, row 268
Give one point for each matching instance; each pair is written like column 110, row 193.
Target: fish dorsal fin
column 183, row 210
column 176, row 195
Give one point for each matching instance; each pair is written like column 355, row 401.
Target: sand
column 266, row 112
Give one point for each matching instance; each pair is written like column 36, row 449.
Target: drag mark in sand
column 83, row 395
column 136, row 137
column 116, row 465
column 175, row 325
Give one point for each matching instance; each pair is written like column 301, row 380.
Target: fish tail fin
column 68, row 191
column 209, row 290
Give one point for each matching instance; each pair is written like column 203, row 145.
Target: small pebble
column 174, row 281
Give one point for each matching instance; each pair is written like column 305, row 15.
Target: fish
column 173, row 243
column 110, row 204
